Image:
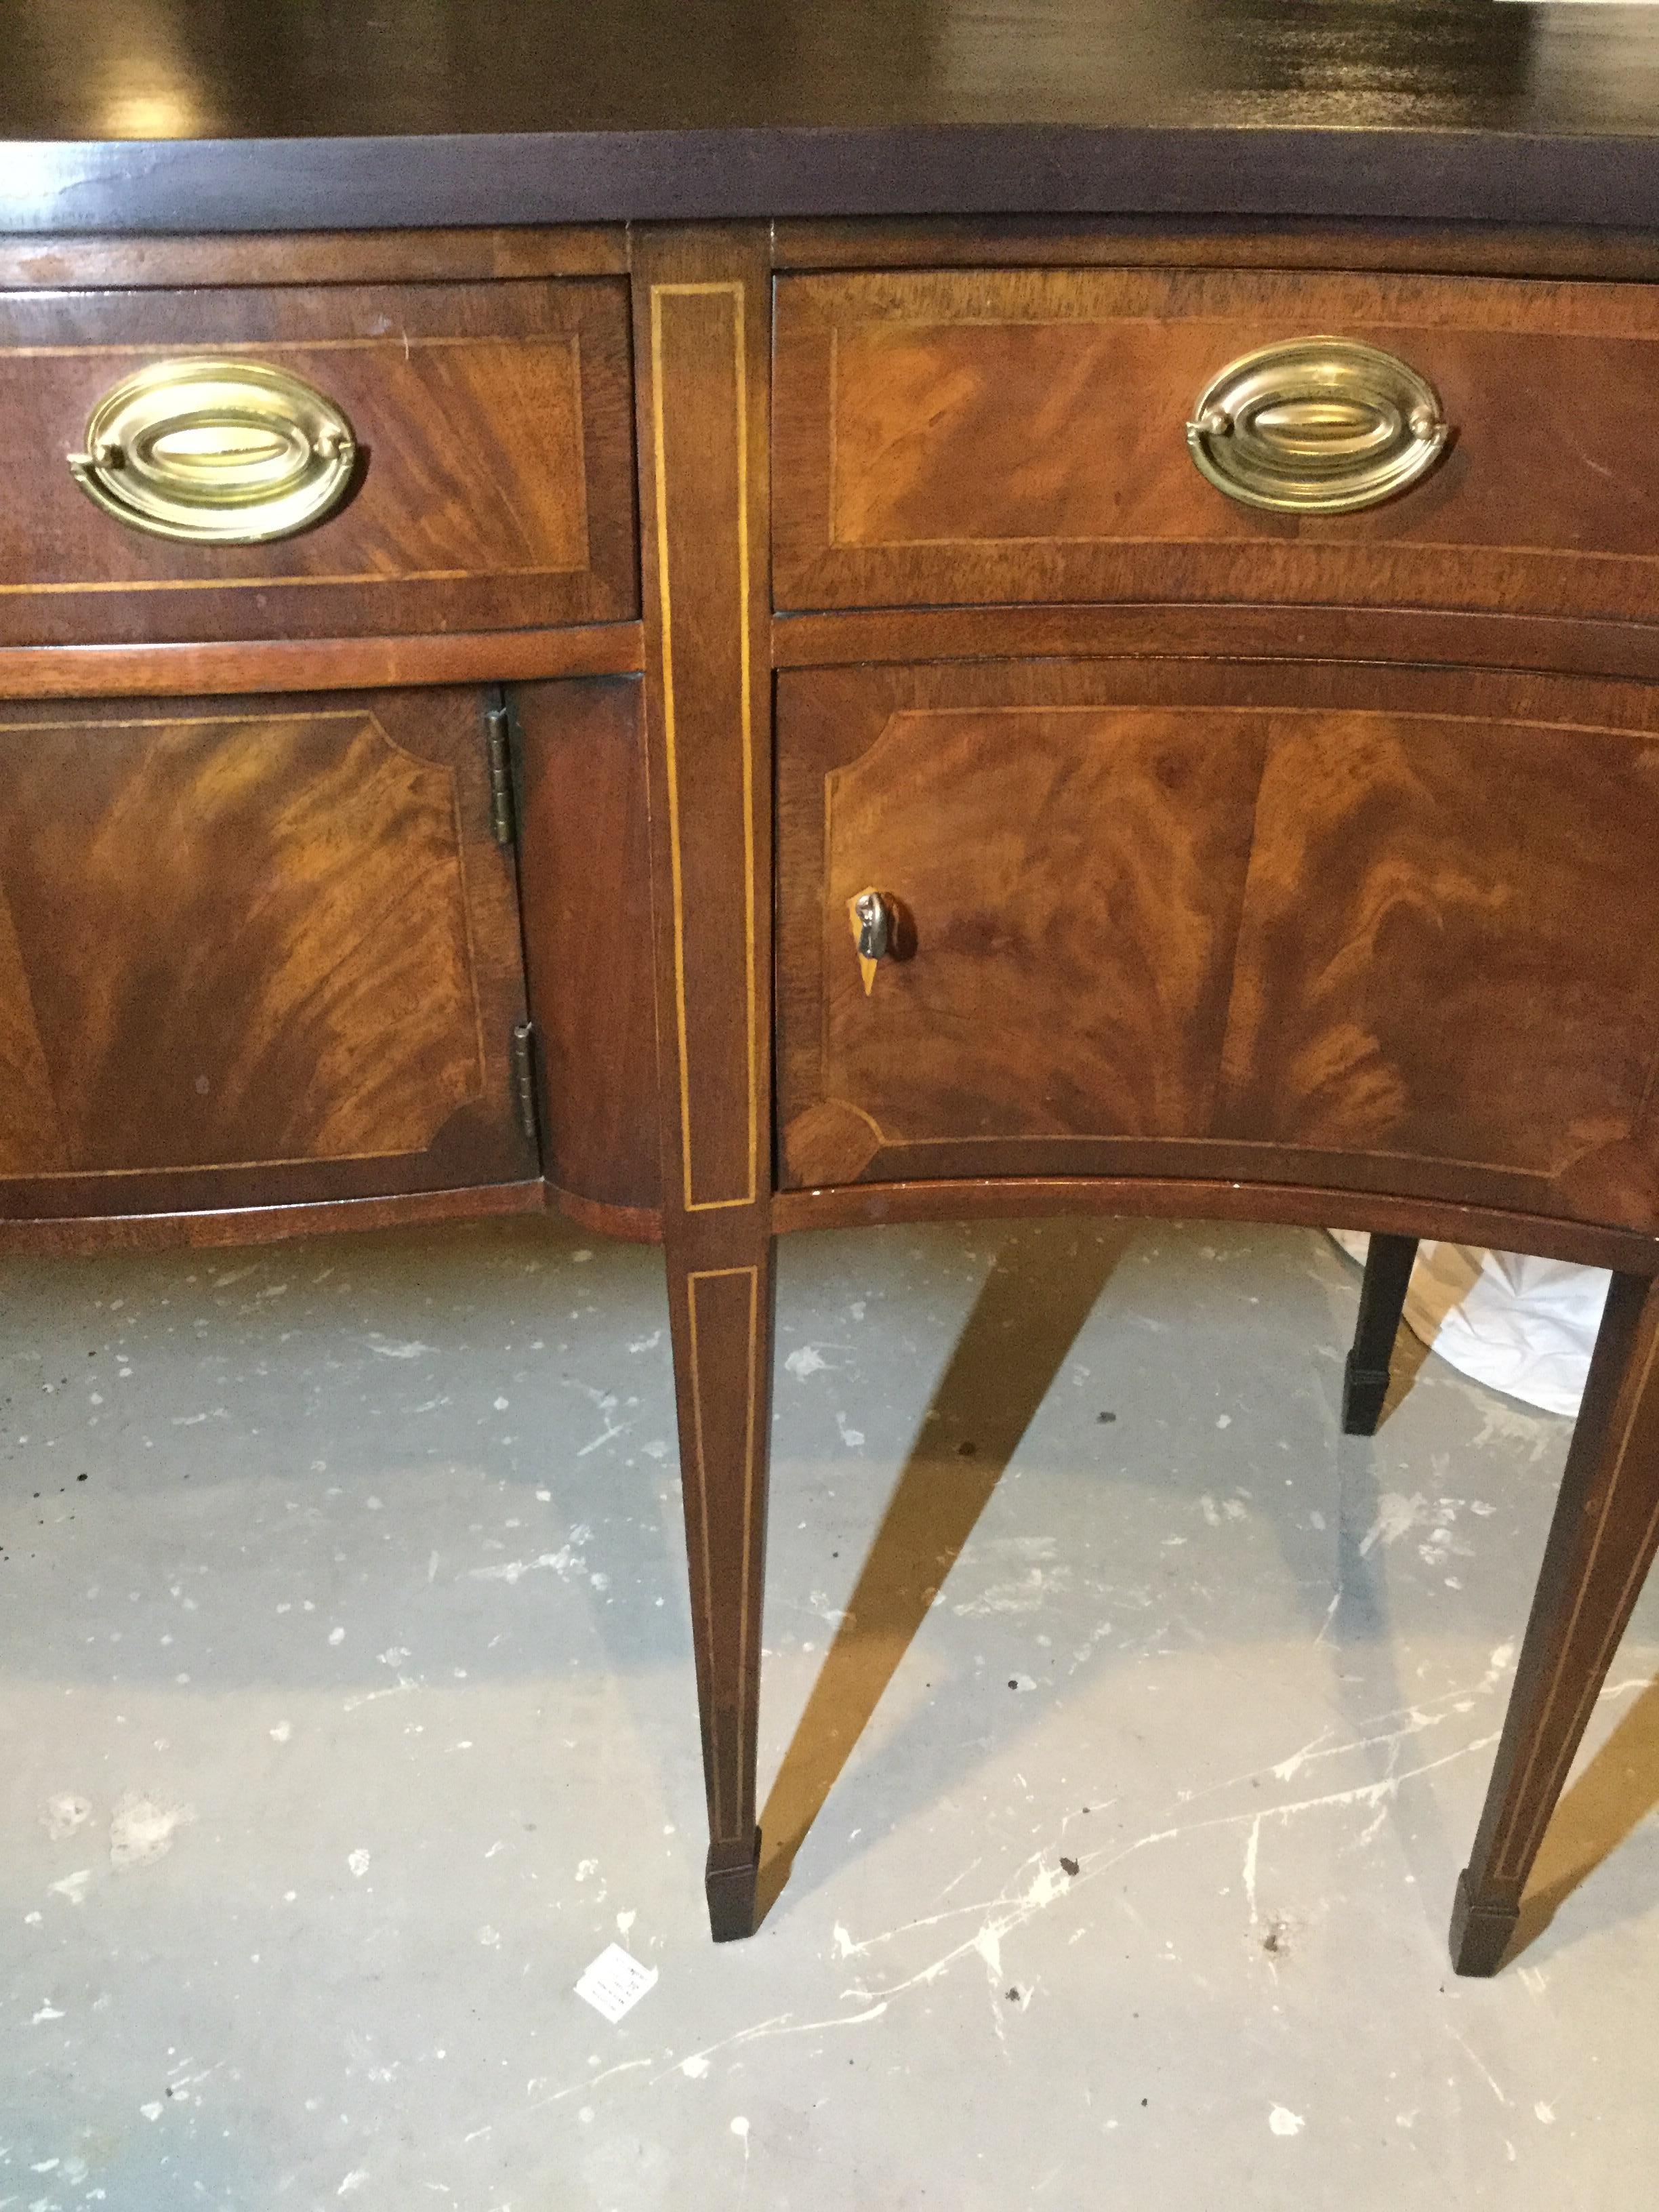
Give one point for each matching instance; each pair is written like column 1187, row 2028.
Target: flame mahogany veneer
column 491, row 844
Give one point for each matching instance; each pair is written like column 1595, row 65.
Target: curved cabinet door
column 1386, row 930
column 252, row 952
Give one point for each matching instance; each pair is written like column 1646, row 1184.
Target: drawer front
column 1020, row 434
column 488, row 483
column 1384, row 930
column 252, row 952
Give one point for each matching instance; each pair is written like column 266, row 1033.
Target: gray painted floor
column 348, row 1713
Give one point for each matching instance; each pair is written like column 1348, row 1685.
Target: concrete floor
column 348, row 1713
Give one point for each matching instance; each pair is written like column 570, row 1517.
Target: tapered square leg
column 1480, row 1934
column 702, row 304
column 1602, row 1543
column 721, row 1312
column 731, row 1891
column 1382, row 1301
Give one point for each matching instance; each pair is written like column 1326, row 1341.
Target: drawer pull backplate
column 221, row 452
column 1316, row 426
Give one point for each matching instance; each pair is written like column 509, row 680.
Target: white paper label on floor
column 616, row 1982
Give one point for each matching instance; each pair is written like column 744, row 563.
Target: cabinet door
column 1390, row 930
column 252, row 952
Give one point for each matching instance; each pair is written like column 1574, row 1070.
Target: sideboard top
column 156, row 115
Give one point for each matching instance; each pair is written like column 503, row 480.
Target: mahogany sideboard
column 881, row 616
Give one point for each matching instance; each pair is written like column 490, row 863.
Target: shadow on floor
column 1408, row 1355
column 1029, row 1311
column 1605, row 1806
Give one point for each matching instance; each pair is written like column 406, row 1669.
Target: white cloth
column 1524, row 1326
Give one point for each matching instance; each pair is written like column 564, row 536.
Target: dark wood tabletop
column 253, row 114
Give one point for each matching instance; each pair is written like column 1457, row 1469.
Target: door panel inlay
column 1392, row 930
column 246, row 940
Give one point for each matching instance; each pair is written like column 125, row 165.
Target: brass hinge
column 524, row 1078
column 498, row 729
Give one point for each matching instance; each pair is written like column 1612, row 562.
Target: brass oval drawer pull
column 1316, row 426
column 221, row 452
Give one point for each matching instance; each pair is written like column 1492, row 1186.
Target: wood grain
column 996, row 824
column 1190, row 1198
column 252, row 953
column 585, row 893
column 708, row 695
column 630, row 1224
column 82, row 671
column 1218, row 241
column 1017, row 435
column 494, row 493
column 91, row 1235
column 1193, row 920
column 321, row 256
column 701, row 344
column 478, row 254
column 1450, row 949
column 1158, row 629
column 1602, row 1543
column 1297, row 924
column 480, row 111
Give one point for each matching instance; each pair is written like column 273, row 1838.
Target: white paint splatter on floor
column 142, row 1828
column 1197, row 1873
column 63, row 1814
